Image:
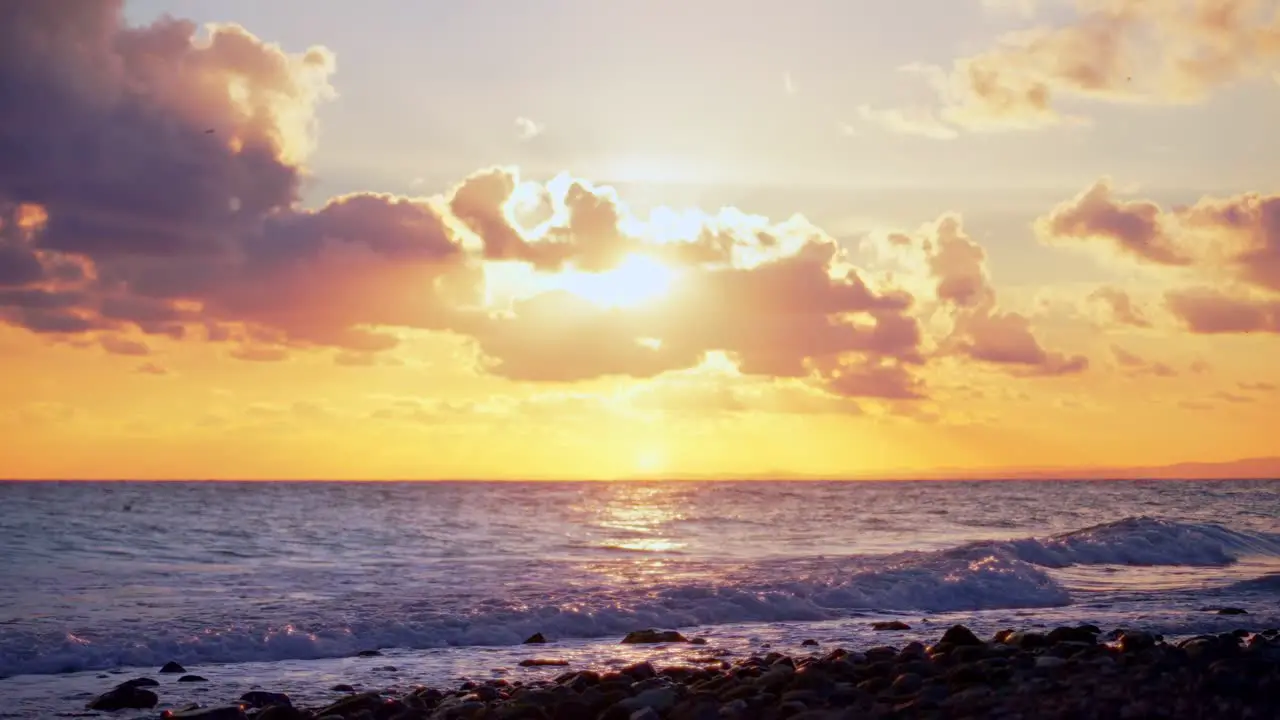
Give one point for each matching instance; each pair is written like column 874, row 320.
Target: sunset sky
column 571, row 238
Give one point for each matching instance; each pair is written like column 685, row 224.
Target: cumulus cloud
column 1163, row 51
column 1232, row 243
column 961, row 285
column 178, row 215
column 1133, row 227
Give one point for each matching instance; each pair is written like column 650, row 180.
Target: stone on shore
column 126, row 696
column 227, row 712
column 890, row 625
column 193, row 679
column 959, row 635
column 172, row 667
column 1063, row 675
column 650, row 636
column 262, row 699
column 535, row 639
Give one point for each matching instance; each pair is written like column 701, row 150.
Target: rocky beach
column 1066, row 672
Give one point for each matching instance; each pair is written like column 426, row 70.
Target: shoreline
column 1067, row 672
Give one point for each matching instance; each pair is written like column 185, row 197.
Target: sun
column 650, row 461
column 636, row 281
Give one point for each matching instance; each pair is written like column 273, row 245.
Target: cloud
column 1230, row 243
column 956, row 266
column 260, row 354
column 1121, row 305
column 1136, row 365
column 1148, row 51
column 123, row 346
column 908, row 121
column 184, row 220
column 1023, row 8
column 527, row 129
column 1133, row 227
column 1265, row 387
column 1210, row 312
column 150, row 368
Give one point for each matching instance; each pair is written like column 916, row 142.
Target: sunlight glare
column 650, row 460
column 636, row 281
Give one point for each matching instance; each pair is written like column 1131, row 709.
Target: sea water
column 278, row 585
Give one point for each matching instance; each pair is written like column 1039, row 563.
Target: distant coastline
column 1265, row 468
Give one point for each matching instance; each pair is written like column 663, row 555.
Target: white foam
column 971, row 577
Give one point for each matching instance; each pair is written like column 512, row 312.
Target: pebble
column 1064, row 673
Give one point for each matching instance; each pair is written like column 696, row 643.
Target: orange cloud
column 980, row 330
column 1123, row 309
column 1137, row 365
column 1132, row 226
column 1212, row 312
column 1156, row 51
column 185, row 222
column 1233, row 241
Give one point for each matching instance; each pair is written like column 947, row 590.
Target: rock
column 1136, row 641
column 906, row 684
column 698, row 641
column 1232, row 611
column 262, row 698
column 1072, row 634
column 639, row 671
column 369, row 653
column 890, row 625
column 958, row 635
column 809, row 643
column 139, row 683
column 1026, row 640
column 172, row 667
column 342, row 687
column 543, row 662
column 192, row 679
column 645, row 714
column 124, row 697
column 226, row 712
column 353, row 705
column 282, row 712
column 1048, row 662
column 650, row 636
column 535, row 639
column 658, row 699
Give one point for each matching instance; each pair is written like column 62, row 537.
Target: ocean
column 279, row 585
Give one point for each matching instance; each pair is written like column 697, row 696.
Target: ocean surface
column 278, row 585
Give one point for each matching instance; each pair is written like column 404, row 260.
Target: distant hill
column 1267, row 468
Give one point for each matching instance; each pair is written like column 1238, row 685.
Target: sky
column 573, row 239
